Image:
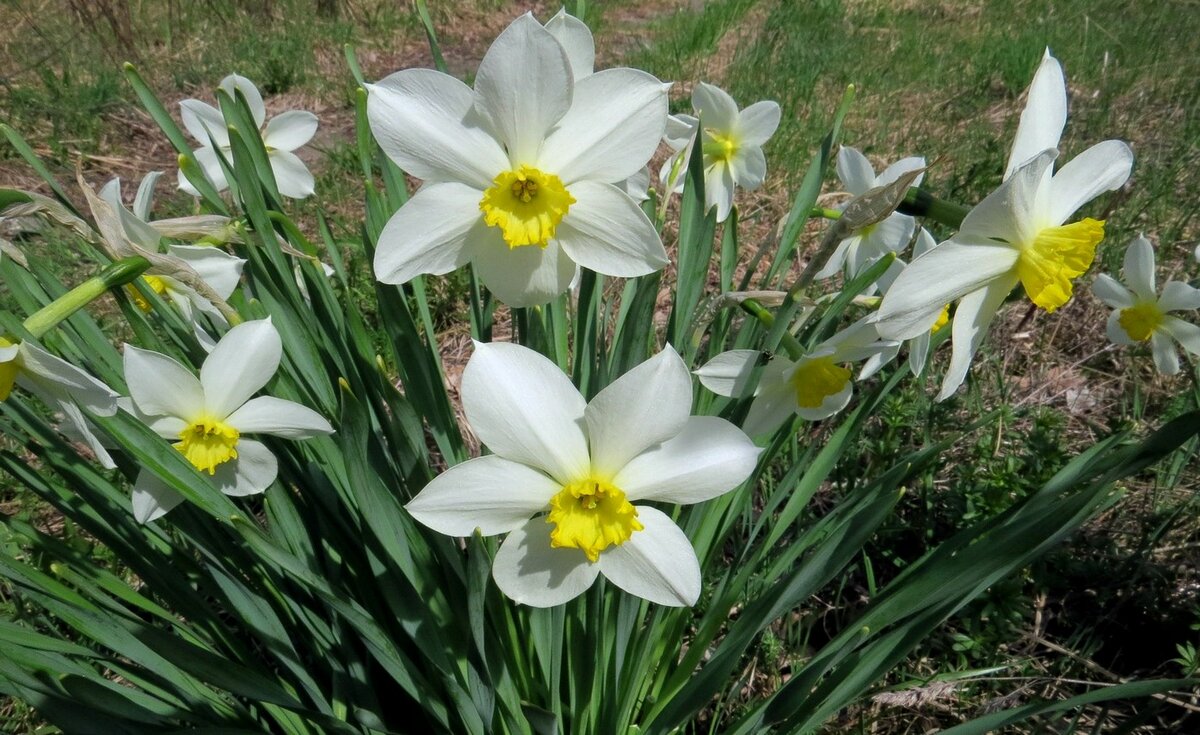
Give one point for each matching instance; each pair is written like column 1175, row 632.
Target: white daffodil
column 871, row 243
column 1017, row 235
column 814, row 387
column 206, row 417
column 731, row 142
column 61, row 386
column 918, row 347
column 565, row 475
column 217, row 268
column 283, row 134
column 522, row 174
column 1141, row 315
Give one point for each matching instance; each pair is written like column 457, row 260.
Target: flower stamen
column 207, row 443
column 591, row 515
column 526, row 204
column 1141, row 320
column 816, row 379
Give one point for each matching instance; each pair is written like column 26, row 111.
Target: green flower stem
column 920, row 203
column 767, row 319
column 113, row 275
column 824, row 213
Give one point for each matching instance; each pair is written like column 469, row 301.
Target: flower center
column 156, row 284
column 1141, row 320
column 207, row 442
column 527, row 205
column 591, row 515
column 1057, row 255
column 816, row 379
column 718, row 147
column 8, row 371
column 942, row 319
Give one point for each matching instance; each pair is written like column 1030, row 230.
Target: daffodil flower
column 282, row 135
column 814, row 387
column 218, row 269
column 61, row 386
column 521, row 174
column 206, row 417
column 1019, row 234
column 1140, row 315
column 871, row 243
column 566, row 474
column 731, row 142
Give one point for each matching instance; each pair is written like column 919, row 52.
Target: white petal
column 638, row 185
column 290, row 130
column 854, row 171
column 758, row 122
column 135, row 229
column 1011, row 212
column 1139, row 268
column 607, row 232
column 145, row 195
column 1044, row 115
column 1166, row 359
column 429, row 234
column 242, row 363
column 709, row 457
column 718, row 190
column 291, row 175
column 1116, row 333
column 160, row 386
column 845, row 249
column 829, row 405
column 776, row 400
column 576, row 40
column 681, row 130
column 488, row 493
column 657, row 563
column 277, row 417
column 523, row 87
column 418, row 117
column 527, row 569
column 77, row 428
column 715, row 108
column 206, row 158
column 152, row 498
column 253, row 99
column 524, row 408
column 727, row 373
column 217, row 268
column 749, row 166
column 940, row 276
column 645, row 406
column 889, row 236
column 1112, row 293
column 63, row 378
column 612, row 129
column 899, row 168
column 918, row 353
column 972, row 318
column 250, row 474
column 1103, row 167
column 1188, row 335
column 523, row 276
column 1177, row 296
column 204, row 122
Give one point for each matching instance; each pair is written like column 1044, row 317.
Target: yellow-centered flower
column 526, row 205
column 591, row 515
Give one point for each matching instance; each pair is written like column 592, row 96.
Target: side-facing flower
column 1140, row 315
column 731, row 141
column 871, row 243
column 282, row 135
column 814, row 387
column 521, row 174
column 207, row 416
column 215, row 267
column 565, row 475
column 1017, row 235
column 61, row 386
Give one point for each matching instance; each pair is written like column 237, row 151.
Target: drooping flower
column 1140, row 315
column 206, row 417
column 814, row 387
column 566, row 474
column 731, row 142
column 521, row 174
column 282, row 135
column 892, row 235
column 1017, row 235
column 61, row 386
column 219, row 270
